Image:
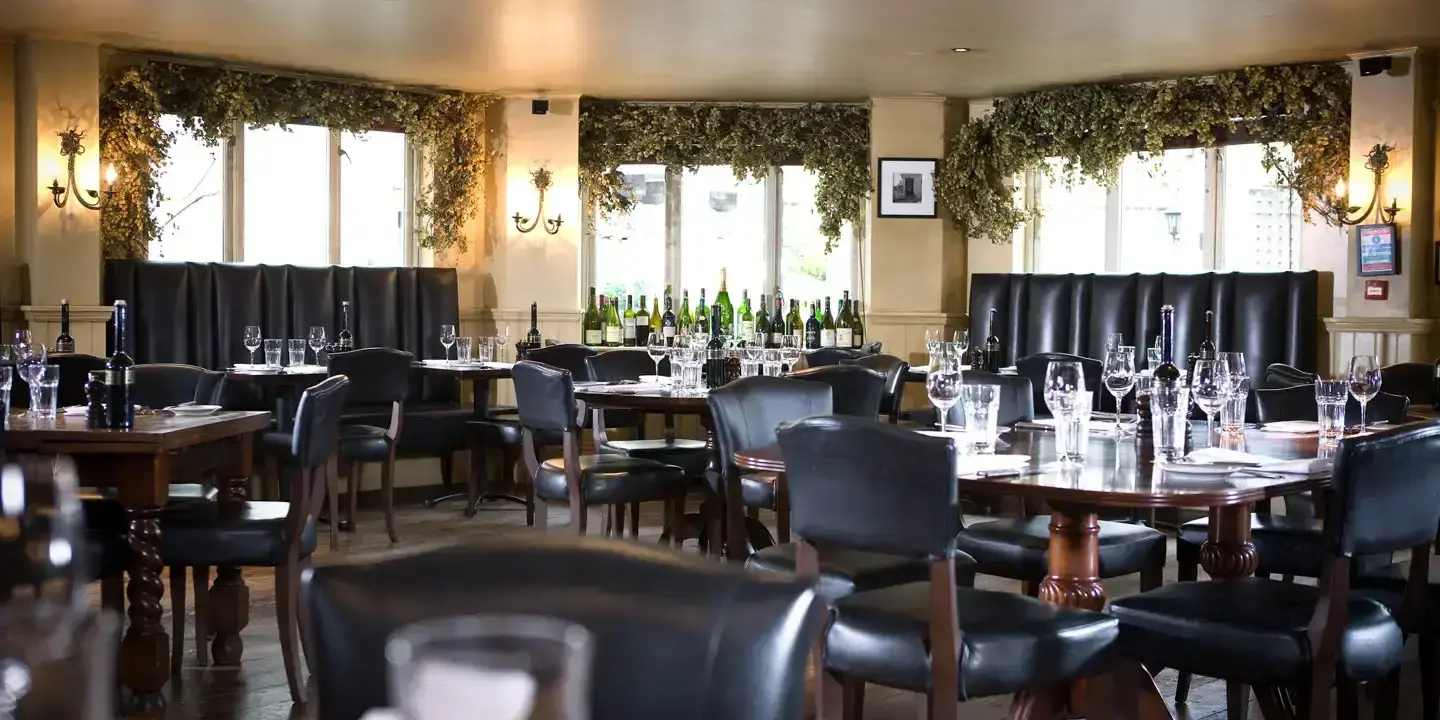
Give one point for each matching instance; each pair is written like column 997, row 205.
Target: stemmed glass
column 252, row 340
column 962, row 341
column 1064, row 382
column 655, row 347
column 934, row 339
column 790, row 351
column 1209, row 385
column 502, row 341
column 316, row 340
column 447, row 338
column 754, row 351
column 1119, row 376
column 943, row 384
column 1364, row 382
column 30, row 362
column 1115, row 340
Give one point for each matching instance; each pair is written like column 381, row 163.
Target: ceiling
column 741, row 49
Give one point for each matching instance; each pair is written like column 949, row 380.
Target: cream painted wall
column 10, row 270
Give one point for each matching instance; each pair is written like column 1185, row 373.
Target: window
column 1187, row 210
column 688, row 224
column 302, row 195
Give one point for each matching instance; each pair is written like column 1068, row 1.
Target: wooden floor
column 257, row 690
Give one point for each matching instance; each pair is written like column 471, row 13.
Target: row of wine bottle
column 607, row 325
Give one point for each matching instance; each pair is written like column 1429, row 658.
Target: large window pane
column 372, row 199
column 722, row 224
column 1171, row 182
column 1259, row 219
column 1070, row 233
column 192, row 214
column 630, row 249
column 806, row 271
column 287, row 195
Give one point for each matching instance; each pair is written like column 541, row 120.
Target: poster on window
column 1379, row 249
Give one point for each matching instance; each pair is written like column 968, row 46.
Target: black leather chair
column 1017, row 400
column 281, row 535
column 379, row 376
column 862, row 485
column 1033, row 368
column 855, row 391
column 1414, row 380
column 546, row 399
column 673, row 636
column 1280, row 375
column 894, row 370
column 575, row 358
column 1390, row 586
column 75, row 369
column 824, row 357
column 161, row 385
column 1298, row 403
column 745, row 414
column 1301, row 638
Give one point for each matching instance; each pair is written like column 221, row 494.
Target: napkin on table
column 1302, row 466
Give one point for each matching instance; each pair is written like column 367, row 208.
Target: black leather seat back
column 317, row 421
column 545, row 396
column 1280, row 375
column 859, row 484
column 377, row 375
column 1298, row 403
column 1414, row 380
column 1034, row 367
column 566, row 356
column 854, row 390
column 75, row 369
column 894, row 369
column 160, row 385
column 832, row 356
column 673, row 636
column 628, row 364
column 1385, row 493
column 746, row 412
column 1271, row 317
column 1017, row 400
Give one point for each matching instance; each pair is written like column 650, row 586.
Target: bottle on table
column 668, row 322
column 715, row 351
column 762, row 324
column 655, row 317
column 532, row 338
column 827, row 326
column 777, row 322
column 343, row 339
column 702, row 315
column 120, row 376
column 812, row 332
column 591, row 331
column 1166, row 373
column 614, row 330
column 816, row 311
column 992, row 346
column 642, row 324
column 628, row 323
column 685, row 319
column 64, row 343
column 727, row 311
column 793, row 324
column 745, row 318
column 857, row 326
column 1206, row 350
column 844, row 329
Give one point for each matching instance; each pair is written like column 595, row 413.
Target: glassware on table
column 47, row 388
column 1170, row 418
column 464, row 346
column 507, row 667
column 655, row 347
column 980, row 408
column 1152, row 358
column 1072, row 428
column 1232, row 412
column 295, row 348
column 485, row 349
column 252, row 340
column 772, row 362
column 6, row 381
column 1234, row 363
column 272, row 352
column 447, row 338
column 942, row 384
column 1118, row 374
column 316, row 339
column 29, row 358
column 1064, row 380
column 1115, row 340
column 1330, row 396
column 1209, row 386
column 752, row 354
column 934, row 339
column 962, row 342
column 791, row 348
column 1364, row 382
column 502, row 341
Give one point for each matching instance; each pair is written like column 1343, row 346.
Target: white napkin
column 442, row 690
column 1098, row 426
column 1293, row 426
column 1309, row 467
column 382, row 714
column 627, row 389
column 258, row 367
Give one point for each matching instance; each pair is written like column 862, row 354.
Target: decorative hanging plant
column 830, row 139
column 1090, row 129
column 210, row 101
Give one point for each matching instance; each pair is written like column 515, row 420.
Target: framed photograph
column 907, row 188
column 1378, row 250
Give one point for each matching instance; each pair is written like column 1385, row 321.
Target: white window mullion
column 1212, row 251
column 673, row 234
column 1032, row 233
column 774, row 184
column 334, row 224
column 234, row 194
column 1113, row 200
column 410, row 248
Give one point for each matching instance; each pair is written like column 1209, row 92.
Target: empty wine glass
column 943, row 383
column 1364, row 382
column 317, row 340
column 1114, row 340
column 655, row 347
column 934, row 339
column 252, row 340
column 790, row 351
column 1064, row 381
column 447, row 338
column 1209, row 386
column 1119, row 377
column 962, row 341
column 502, row 341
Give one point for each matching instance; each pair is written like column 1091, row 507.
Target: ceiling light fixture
column 960, row 49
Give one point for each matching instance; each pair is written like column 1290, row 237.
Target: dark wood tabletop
column 158, row 432
column 658, row 401
column 488, row 371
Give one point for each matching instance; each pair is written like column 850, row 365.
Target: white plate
column 1207, row 469
column 192, row 410
column 655, row 379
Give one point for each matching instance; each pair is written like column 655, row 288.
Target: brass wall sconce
column 71, row 147
column 1338, row 210
column 540, row 178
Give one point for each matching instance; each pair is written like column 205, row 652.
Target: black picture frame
column 905, row 188
column 1377, row 250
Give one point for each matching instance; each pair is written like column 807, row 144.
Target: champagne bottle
column 827, row 326
column 745, row 318
column 685, row 319
column 702, row 315
column 642, row 324
column 344, row 341
column 64, row 343
column 857, row 326
column 629, row 322
column 614, row 329
column 762, row 323
column 727, row 311
column 668, row 322
column 532, row 338
column 844, row 330
column 1166, row 374
column 715, row 356
column 992, row 346
column 592, row 333
column 120, row 376
column 812, row 332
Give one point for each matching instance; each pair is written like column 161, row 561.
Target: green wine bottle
column 844, row 327
column 628, row 322
column 727, row 311
column 827, row 326
column 686, row 320
column 745, row 318
column 590, row 325
column 857, row 326
column 762, row 322
column 614, row 330
column 702, row 315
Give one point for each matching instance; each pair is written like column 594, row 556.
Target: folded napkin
column 1292, row 426
column 445, row 690
column 1098, row 425
column 626, row 389
column 1309, row 467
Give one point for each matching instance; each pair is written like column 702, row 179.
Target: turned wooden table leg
column 229, row 597
column 1074, row 579
column 1228, row 552
column 145, row 649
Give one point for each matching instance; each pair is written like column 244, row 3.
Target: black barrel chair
column 854, row 390
column 378, row 376
column 161, row 385
column 1034, row 367
column 1414, row 380
column 546, row 399
column 1280, row 375
column 824, row 357
column 673, row 636
column 862, row 485
column 1297, row 402
column 894, row 369
column 1300, row 639
column 75, row 369
column 575, row 358
column 279, row 535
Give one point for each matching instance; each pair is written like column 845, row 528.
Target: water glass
column 272, row 352
column 980, row 406
column 1072, row 428
column 463, row 349
column 791, row 347
column 485, row 349
column 772, row 363
column 47, row 387
column 296, row 348
column 1232, row 413
column 1330, row 397
column 1170, row 419
column 507, row 667
column 1152, row 358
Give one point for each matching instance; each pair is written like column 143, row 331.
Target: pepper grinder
column 95, row 392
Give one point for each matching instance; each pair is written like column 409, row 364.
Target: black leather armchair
column 832, row 356
column 1280, row 375
column 894, row 369
column 674, row 636
column 855, row 390
column 1414, row 380
column 161, row 385
column 75, row 369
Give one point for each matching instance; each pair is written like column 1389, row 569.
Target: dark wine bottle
column 120, row 376
column 762, row 323
column 857, row 325
column 827, row 326
column 812, row 331
column 345, row 341
column 64, row 343
column 779, row 325
column 1166, row 374
column 668, row 322
column 532, row 338
column 992, row 346
column 1208, row 351
column 642, row 324
column 715, row 349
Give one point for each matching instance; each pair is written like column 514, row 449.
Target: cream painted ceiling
column 740, row 49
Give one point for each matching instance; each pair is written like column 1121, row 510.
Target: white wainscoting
column 88, row 325
column 1390, row 340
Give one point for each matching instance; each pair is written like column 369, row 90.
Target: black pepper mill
column 95, row 391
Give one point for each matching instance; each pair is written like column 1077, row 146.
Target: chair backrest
column 1385, row 493
column 217, row 388
column 874, row 348
column 628, row 364
column 544, row 396
column 1280, row 375
column 378, row 375
column 1034, row 366
column 832, row 356
column 75, row 369
column 855, row 390
column 746, row 412
column 894, row 370
column 1297, row 402
column 857, row 483
column 674, row 636
column 317, row 421
column 566, row 356
column 1414, row 380
column 161, row 385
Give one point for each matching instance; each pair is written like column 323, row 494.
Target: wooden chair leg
column 387, row 489
column 852, row 699
column 447, row 469
column 1429, row 679
column 177, row 618
column 677, row 521
column 1237, row 700
column 1347, row 699
column 615, row 520
column 332, row 495
column 200, row 574
column 634, row 520
column 306, row 627
column 286, row 604
column 1152, row 577
column 352, row 489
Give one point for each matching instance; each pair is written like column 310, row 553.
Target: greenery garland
column 448, row 127
column 832, row 140
column 1092, row 128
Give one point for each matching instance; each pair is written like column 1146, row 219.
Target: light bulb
column 110, row 174
column 1340, row 189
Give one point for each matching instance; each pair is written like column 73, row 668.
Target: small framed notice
column 1377, row 249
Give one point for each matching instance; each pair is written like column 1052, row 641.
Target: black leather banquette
column 1271, row 317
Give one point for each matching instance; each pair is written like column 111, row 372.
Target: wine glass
column 655, row 347
column 502, row 341
column 933, row 340
column 962, row 341
column 790, row 351
column 447, row 338
column 30, row 362
column 1364, row 382
column 317, row 340
column 1064, row 382
column 1114, row 340
column 943, row 384
column 252, row 340
column 1119, row 377
column 1209, row 386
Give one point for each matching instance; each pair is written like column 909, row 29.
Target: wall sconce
column 1337, row 210
column 1172, row 223
column 71, row 148
column 540, row 178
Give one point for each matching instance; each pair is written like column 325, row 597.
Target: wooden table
column 137, row 464
column 282, row 387
column 479, row 377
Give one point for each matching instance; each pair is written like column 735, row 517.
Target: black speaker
column 1374, row 65
column 542, row 107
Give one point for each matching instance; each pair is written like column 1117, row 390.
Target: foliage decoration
column 1088, row 130
column 212, row 101
column 830, row 139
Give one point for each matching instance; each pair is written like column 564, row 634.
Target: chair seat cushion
column 503, row 433
column 196, row 534
column 844, row 571
column 107, row 526
column 610, row 479
column 364, row 443
column 1286, row 545
column 1009, row 642
column 1019, row 549
column 757, row 490
column 427, row 428
column 688, row 455
column 1250, row 630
